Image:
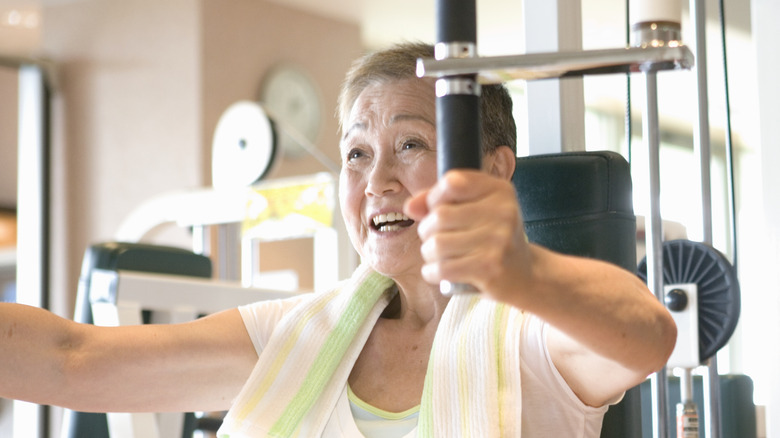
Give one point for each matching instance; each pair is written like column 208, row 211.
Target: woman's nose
column 382, row 179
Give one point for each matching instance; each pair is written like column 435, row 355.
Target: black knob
column 676, row 300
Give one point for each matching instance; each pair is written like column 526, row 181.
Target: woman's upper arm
column 195, row 366
column 595, row 380
column 608, row 332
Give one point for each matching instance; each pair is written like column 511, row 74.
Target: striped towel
column 472, row 387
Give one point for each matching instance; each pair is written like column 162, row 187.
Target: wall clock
column 293, row 101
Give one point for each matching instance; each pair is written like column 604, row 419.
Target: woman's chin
column 395, row 268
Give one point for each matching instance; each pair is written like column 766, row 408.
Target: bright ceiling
column 499, row 22
column 500, row 31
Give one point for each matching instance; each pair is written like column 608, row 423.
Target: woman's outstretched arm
column 607, row 331
column 195, row 366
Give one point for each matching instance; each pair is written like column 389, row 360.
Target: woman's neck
column 416, row 303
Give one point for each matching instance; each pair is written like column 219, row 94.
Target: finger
column 458, row 186
column 448, row 245
column 494, row 209
column 459, row 243
column 472, row 269
column 478, row 256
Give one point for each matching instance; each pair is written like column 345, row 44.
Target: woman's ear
column 501, row 162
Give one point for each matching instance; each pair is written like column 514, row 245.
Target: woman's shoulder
column 261, row 317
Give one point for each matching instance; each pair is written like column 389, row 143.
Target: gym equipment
column 126, row 283
column 737, row 395
column 717, row 295
column 458, row 122
column 133, row 283
column 649, row 53
column 656, row 45
column 702, row 294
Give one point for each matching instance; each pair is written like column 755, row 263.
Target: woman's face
column 388, row 154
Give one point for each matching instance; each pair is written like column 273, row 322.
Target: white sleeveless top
column 550, row 407
column 344, row 421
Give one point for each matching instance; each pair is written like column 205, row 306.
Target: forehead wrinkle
column 370, row 108
column 366, row 111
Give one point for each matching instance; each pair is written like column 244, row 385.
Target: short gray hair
column 399, row 63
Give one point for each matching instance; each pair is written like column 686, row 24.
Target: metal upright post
column 32, row 276
column 557, row 122
column 701, row 144
column 654, row 240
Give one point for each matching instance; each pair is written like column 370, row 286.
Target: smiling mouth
column 391, row 222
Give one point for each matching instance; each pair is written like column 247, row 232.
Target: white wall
column 126, row 117
column 765, row 273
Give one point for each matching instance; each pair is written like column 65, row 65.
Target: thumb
column 416, row 207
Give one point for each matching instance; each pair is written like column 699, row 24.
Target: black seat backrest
column 579, row 203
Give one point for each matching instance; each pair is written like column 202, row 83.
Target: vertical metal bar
column 32, row 255
column 199, row 240
column 32, row 208
column 686, row 385
column 701, row 145
column 229, row 251
column 250, row 259
column 654, row 239
column 687, row 411
column 701, row 132
column 31, row 188
column 556, row 116
column 457, row 98
column 711, row 389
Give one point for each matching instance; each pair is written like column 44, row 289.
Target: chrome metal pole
column 701, row 132
column 33, row 211
column 701, row 144
column 654, row 240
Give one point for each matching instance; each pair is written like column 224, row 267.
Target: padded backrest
column 580, row 203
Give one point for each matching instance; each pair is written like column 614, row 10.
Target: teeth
column 389, row 217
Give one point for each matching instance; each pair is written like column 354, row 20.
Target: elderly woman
column 548, row 343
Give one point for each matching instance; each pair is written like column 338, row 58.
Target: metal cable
column 729, row 143
column 629, row 131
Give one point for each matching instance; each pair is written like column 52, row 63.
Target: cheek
column 349, row 203
column 421, row 174
column 349, row 200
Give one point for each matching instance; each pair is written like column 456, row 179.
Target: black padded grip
column 458, row 132
column 457, row 111
column 456, row 21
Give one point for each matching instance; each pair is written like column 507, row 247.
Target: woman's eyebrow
column 355, row 126
column 403, row 117
column 394, row 119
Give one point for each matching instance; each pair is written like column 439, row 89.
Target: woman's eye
column 354, row 154
column 411, row 145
